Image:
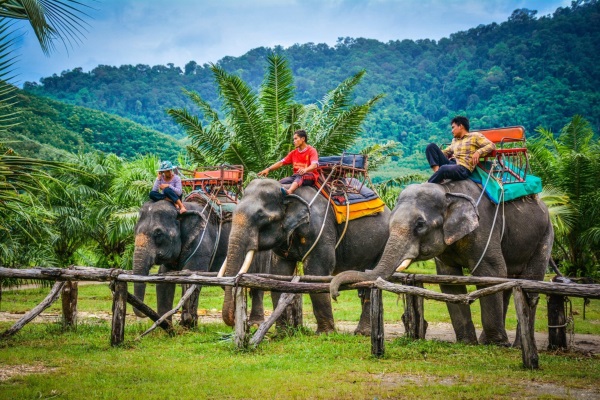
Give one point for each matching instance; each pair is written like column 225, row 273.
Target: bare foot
column 182, row 210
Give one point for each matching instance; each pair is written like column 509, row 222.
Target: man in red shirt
column 304, row 160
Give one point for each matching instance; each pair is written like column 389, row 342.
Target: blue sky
column 176, row 31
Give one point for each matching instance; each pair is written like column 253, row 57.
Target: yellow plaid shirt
column 464, row 148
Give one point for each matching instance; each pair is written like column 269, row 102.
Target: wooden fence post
column 189, row 311
column 413, row 318
column 69, row 303
column 528, row 347
column 241, row 338
column 377, row 325
column 557, row 327
column 119, row 309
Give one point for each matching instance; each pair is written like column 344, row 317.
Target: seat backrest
column 504, row 135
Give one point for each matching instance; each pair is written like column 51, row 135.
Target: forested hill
column 49, row 129
column 529, row 70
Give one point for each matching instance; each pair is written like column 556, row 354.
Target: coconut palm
column 257, row 128
column 21, row 179
column 570, row 164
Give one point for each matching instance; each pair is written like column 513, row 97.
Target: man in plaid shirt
column 457, row 161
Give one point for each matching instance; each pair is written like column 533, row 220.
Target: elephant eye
column 420, row 226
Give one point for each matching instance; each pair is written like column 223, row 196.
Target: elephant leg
column 189, row 310
column 460, row 314
column 321, row 303
column 364, row 325
column 257, row 313
column 292, row 315
column 492, row 319
column 165, row 292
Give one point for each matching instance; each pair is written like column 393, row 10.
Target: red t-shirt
column 302, row 159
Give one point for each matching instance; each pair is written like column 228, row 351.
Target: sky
column 157, row 32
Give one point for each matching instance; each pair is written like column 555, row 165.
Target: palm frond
column 339, row 98
column 276, row 97
column 211, row 142
column 344, row 128
column 50, row 20
column 379, row 154
column 244, row 116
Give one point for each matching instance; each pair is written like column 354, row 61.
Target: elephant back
column 219, row 208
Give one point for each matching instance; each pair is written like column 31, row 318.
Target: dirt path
column 581, row 343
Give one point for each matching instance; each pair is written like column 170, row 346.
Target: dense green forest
column 48, row 129
column 529, row 70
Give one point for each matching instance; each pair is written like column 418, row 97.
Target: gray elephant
column 180, row 241
column 268, row 219
column 443, row 221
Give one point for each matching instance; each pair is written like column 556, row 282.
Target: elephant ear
column 461, row 217
column 297, row 212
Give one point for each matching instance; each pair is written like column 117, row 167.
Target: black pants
column 448, row 167
column 167, row 193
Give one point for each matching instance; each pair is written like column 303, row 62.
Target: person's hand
column 301, row 171
column 476, row 157
column 264, row 172
column 163, row 186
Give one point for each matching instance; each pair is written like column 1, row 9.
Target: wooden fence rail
column 408, row 284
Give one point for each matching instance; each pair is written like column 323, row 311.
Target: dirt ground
column 581, row 343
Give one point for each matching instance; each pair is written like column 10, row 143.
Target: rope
column 347, row 219
column 320, row 232
column 202, row 237
column 494, row 163
column 492, row 229
column 218, row 238
column 322, row 186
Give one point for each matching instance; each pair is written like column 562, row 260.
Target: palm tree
column 570, row 164
column 22, row 178
column 257, row 128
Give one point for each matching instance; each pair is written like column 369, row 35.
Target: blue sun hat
column 165, row 166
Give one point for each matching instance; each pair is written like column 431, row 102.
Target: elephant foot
column 256, row 321
column 326, row 328
column 362, row 331
column 500, row 340
column 325, row 331
column 363, row 328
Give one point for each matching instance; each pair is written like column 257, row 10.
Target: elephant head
column 425, row 221
column 264, row 219
column 160, row 235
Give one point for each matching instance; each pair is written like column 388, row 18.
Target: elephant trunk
column 142, row 262
column 394, row 258
column 239, row 247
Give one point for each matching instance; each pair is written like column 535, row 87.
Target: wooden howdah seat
column 222, row 183
column 509, row 162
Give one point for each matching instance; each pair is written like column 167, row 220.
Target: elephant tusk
column 247, row 262
column 222, row 270
column 404, row 265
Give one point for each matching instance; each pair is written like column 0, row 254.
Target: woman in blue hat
column 170, row 185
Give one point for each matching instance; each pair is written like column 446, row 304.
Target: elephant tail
column 347, row 277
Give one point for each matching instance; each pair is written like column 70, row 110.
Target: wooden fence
column 408, row 284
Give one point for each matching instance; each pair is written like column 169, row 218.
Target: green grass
column 81, row 363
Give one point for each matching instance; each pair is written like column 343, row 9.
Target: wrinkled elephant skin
column 175, row 242
column 265, row 219
column 444, row 222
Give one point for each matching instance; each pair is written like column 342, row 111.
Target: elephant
column 180, row 241
column 269, row 219
column 445, row 222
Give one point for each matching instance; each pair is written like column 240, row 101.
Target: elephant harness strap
column 493, row 225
